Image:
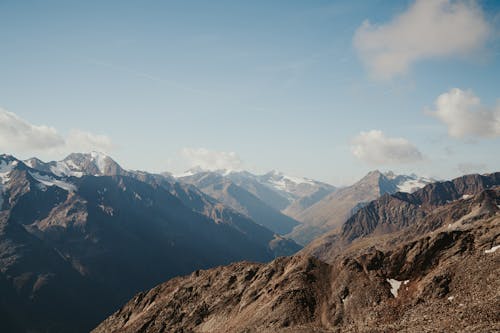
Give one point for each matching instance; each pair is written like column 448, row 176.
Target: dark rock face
column 423, row 277
column 73, row 248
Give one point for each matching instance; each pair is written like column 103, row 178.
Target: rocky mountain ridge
column 437, row 272
column 333, row 210
column 393, row 212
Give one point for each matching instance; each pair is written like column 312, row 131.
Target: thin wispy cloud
column 127, row 70
column 428, row 29
column 375, row 148
column 464, row 115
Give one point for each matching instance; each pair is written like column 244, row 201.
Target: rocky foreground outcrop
column 437, row 273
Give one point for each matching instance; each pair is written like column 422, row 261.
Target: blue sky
column 298, row 86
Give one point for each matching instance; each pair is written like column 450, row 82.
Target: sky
column 322, row 89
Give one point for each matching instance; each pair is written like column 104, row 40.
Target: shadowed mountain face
column 434, row 270
column 333, row 210
column 72, row 248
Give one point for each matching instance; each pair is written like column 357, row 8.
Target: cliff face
column 437, row 272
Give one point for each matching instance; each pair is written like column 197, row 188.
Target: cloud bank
column 375, row 148
column 464, row 116
column 428, row 29
column 18, row 136
column 210, row 159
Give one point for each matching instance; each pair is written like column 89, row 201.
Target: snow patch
column 5, row 170
column 66, row 168
column 50, row 181
column 188, row 173
column 395, row 285
column 451, row 298
column 493, row 249
column 411, row 185
column 467, row 196
column 107, row 210
column 100, row 160
column 284, row 182
column 30, row 163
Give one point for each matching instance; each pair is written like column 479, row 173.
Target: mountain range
column 79, row 237
column 330, row 212
column 299, row 208
column 421, row 262
column 84, row 229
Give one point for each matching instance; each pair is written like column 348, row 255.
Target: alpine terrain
column 421, row 262
column 80, row 236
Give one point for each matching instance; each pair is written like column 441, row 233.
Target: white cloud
column 17, row 136
column 375, row 148
column 78, row 140
column 462, row 112
column 428, row 29
column 211, row 160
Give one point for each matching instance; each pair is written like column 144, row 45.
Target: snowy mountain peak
column 391, row 182
column 281, row 180
column 33, row 162
column 78, row 165
column 190, row 172
column 93, row 163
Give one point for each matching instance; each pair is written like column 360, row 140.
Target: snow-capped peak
column 78, row 165
column 190, row 172
column 93, row 163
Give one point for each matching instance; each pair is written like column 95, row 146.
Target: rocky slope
column 334, row 209
column 435, row 273
column 67, row 241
